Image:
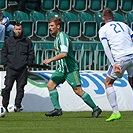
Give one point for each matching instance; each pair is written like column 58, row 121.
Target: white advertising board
column 36, row 98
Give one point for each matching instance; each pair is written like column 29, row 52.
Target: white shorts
column 126, row 64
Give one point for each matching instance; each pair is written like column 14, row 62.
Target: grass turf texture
column 69, row 122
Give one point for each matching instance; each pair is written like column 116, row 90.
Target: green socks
column 54, row 98
column 87, row 99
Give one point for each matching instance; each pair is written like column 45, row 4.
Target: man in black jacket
column 17, row 55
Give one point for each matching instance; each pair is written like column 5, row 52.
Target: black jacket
column 17, row 53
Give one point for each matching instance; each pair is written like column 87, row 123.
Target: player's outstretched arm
column 55, row 58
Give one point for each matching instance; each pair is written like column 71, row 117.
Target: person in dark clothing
column 22, row 4
column 17, row 54
column 6, row 29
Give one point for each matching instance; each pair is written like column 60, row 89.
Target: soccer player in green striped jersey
column 68, row 70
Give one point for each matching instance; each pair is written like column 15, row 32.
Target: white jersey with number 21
column 119, row 36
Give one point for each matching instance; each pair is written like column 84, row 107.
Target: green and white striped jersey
column 63, row 44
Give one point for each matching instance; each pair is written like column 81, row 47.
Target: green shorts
column 73, row 78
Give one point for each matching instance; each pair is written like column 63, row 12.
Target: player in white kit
column 117, row 40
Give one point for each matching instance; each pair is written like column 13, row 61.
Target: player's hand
column 28, row 67
column 117, row 68
column 46, row 61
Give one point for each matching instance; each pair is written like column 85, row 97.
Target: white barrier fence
column 37, row 99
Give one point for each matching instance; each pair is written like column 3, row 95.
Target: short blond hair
column 56, row 20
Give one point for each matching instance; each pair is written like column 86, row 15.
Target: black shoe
column 96, row 113
column 55, row 112
column 16, row 109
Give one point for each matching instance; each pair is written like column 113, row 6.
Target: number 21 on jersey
column 117, row 27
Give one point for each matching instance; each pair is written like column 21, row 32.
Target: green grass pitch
column 69, row 122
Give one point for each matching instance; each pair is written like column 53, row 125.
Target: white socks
column 111, row 95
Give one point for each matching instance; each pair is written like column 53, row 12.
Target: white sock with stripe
column 111, row 95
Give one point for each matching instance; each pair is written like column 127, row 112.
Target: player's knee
column 50, row 86
column 105, row 83
column 108, row 82
column 78, row 91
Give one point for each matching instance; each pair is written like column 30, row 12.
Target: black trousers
column 20, row 76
